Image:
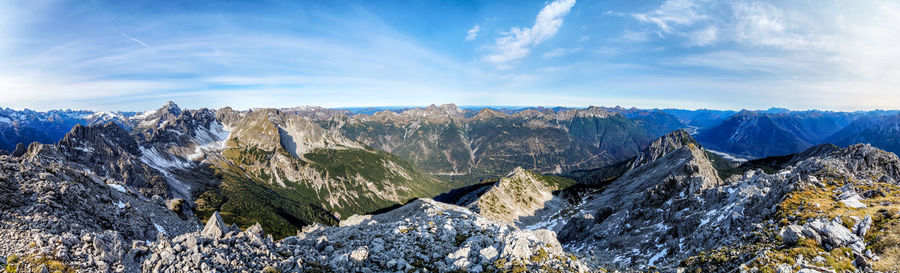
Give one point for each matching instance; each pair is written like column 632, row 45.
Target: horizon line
column 506, row 107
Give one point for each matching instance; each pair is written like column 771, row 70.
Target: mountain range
column 447, row 188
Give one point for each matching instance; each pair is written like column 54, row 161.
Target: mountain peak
column 518, row 172
column 520, row 194
column 664, row 145
column 170, row 107
column 157, row 119
column 593, row 111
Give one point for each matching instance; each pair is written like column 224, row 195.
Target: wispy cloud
column 704, row 37
column 368, row 60
column 751, row 22
column 674, row 13
column 142, row 43
column 825, row 52
column 517, row 43
column 635, row 36
column 614, row 13
column 472, row 33
column 559, row 52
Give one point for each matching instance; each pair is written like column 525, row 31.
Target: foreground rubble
column 424, row 235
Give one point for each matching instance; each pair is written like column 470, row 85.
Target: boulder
column 109, row 246
column 255, row 233
column 792, row 234
column 215, row 228
column 862, row 227
column 833, row 235
column 359, row 254
column 488, row 253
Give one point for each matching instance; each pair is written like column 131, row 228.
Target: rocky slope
column 626, row 214
column 110, row 152
column 674, row 212
column 113, row 197
column 281, row 170
column 61, row 216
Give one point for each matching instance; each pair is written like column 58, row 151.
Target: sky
column 135, row 55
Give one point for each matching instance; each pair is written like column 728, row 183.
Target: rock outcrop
column 517, row 195
column 636, row 220
column 112, row 153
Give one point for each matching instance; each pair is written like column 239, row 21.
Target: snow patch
column 853, row 202
column 209, row 140
column 85, row 149
column 658, row 256
column 161, row 160
column 117, row 187
column 160, row 229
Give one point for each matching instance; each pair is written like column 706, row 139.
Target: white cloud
column 635, row 36
column 751, row 22
column 472, row 33
column 861, row 38
column 674, row 13
column 559, row 52
column 763, row 24
column 517, row 43
column 830, row 53
column 704, row 37
column 613, row 13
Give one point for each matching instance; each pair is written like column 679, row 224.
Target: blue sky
column 135, row 55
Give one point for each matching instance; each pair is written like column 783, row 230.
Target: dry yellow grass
column 887, row 245
column 821, row 202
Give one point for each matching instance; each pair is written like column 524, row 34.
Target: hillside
column 755, row 134
column 279, row 169
column 880, row 131
column 463, row 146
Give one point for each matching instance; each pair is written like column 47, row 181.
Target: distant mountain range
column 758, row 134
column 454, row 134
column 28, row 126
